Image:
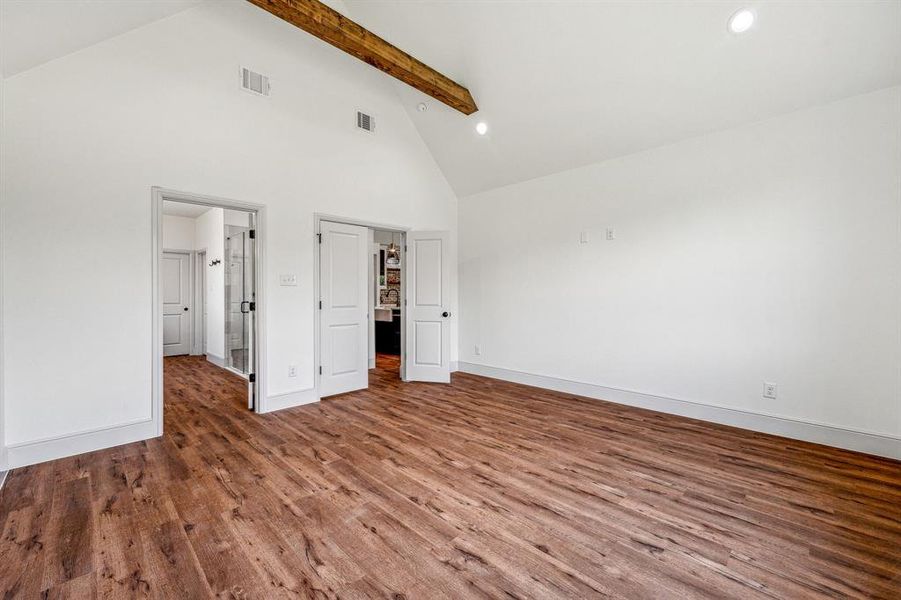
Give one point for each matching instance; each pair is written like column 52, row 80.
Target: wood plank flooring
column 479, row 489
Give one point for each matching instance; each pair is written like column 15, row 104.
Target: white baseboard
column 29, row 453
column 219, row 361
column 290, row 400
column 454, row 366
column 819, row 433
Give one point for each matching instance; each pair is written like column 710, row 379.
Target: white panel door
column 428, row 306
column 344, row 331
column 175, row 280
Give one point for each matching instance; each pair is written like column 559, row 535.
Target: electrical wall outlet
column 292, row 370
column 611, row 233
column 584, row 238
column 477, row 350
column 769, row 390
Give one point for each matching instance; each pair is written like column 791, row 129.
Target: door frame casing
column 317, row 314
column 373, row 294
column 198, row 343
column 158, row 195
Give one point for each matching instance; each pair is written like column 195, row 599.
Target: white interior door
column 343, row 327
column 175, row 277
column 428, row 306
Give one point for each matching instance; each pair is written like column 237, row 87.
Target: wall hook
column 215, row 262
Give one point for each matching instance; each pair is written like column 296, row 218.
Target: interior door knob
column 445, row 314
column 186, row 309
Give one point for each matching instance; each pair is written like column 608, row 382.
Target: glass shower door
column 239, row 299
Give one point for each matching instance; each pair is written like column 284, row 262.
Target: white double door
column 345, row 311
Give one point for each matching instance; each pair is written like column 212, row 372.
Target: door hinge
column 320, row 370
column 320, row 305
column 252, row 378
column 252, row 233
column 319, row 235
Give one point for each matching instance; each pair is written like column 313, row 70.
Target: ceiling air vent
column 254, row 83
column 365, row 122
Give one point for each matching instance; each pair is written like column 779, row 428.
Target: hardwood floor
column 479, row 489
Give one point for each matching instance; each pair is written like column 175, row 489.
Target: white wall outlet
column 584, row 238
column 769, row 390
column 287, row 279
column 292, row 370
column 477, row 350
column 611, row 233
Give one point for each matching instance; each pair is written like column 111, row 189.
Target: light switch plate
column 583, row 237
column 287, row 279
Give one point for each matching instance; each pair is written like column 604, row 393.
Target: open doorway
column 386, row 285
column 384, row 298
column 206, row 291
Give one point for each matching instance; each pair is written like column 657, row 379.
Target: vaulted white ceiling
column 562, row 83
column 565, row 83
column 33, row 32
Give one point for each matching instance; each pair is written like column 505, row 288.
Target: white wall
column 3, row 459
column 178, row 233
column 771, row 252
column 209, row 235
column 86, row 138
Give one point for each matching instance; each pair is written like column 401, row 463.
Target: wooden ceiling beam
column 330, row 26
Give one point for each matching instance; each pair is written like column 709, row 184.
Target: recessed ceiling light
column 741, row 21
column 482, row 128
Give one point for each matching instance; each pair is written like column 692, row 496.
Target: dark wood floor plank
column 173, row 570
column 80, row 588
column 22, row 554
column 69, row 538
column 477, row 489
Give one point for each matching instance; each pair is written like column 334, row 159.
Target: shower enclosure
column 239, row 298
